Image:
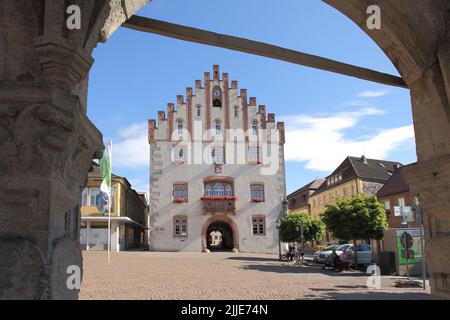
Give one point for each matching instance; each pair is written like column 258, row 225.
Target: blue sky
column 328, row 116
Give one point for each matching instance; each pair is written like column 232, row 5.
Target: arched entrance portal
column 47, row 71
column 219, row 233
column 219, row 236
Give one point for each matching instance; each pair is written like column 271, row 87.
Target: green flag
column 105, row 187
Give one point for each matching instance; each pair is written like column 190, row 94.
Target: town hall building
column 217, row 173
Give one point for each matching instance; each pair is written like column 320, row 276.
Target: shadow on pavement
column 254, row 259
column 371, row 295
column 290, row 268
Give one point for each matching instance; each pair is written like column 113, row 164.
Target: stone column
column 417, row 40
column 429, row 179
column 47, row 142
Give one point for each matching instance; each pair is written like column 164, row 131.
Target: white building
column 216, row 166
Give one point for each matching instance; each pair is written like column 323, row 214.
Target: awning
column 113, row 218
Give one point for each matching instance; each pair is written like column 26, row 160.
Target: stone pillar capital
column 64, row 64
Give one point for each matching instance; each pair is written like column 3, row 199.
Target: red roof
column 396, row 184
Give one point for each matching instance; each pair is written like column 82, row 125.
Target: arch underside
column 220, row 219
column 46, row 71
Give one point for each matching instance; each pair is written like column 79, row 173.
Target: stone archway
column 219, row 219
column 219, row 237
column 47, row 142
column 416, row 38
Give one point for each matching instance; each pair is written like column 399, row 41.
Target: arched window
column 217, row 97
column 208, row 190
column 84, row 197
column 228, row 190
column 236, row 111
column 218, row 190
column 199, row 110
column 180, row 127
column 255, row 127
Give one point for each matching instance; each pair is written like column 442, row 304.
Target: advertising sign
column 409, row 245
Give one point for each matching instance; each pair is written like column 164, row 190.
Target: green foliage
column 361, row 217
column 290, row 228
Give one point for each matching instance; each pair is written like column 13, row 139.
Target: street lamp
column 278, row 225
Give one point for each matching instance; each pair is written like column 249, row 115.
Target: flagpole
column 109, row 206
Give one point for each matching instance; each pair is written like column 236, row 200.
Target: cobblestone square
column 200, row 276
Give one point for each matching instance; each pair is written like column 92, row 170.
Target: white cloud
column 373, row 93
column 322, row 143
column 132, row 149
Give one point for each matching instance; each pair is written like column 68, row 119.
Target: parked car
column 321, row 256
column 364, row 254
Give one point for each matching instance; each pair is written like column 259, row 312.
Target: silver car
column 319, row 256
column 364, row 254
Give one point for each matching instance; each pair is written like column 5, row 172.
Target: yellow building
column 129, row 211
column 353, row 176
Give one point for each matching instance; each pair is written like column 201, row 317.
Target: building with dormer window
column 217, row 175
column 353, row 176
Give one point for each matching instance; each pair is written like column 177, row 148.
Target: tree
column 361, row 217
column 291, row 226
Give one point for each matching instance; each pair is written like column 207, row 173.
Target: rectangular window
column 401, row 202
column 259, row 226
column 113, row 191
column 257, row 192
column 344, row 191
column 217, row 155
column 84, row 197
column 254, row 155
column 387, row 205
column 353, row 190
column 180, row 226
column 94, row 197
column 179, row 154
column 180, row 192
